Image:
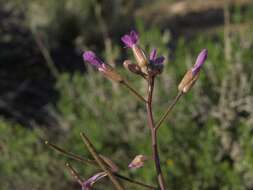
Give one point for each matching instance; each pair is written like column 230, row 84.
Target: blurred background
column 47, row 92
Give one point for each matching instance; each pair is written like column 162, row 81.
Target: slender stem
column 92, row 162
column 155, row 153
column 171, row 106
column 134, row 92
column 100, row 162
column 134, row 182
column 70, row 154
column 46, row 54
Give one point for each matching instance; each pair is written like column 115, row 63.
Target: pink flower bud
column 138, row 161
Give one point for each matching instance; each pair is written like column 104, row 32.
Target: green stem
column 134, row 92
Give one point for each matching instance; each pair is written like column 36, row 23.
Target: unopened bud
column 138, row 161
column 140, row 56
column 188, row 81
column 193, row 74
column 110, row 73
column 132, row 67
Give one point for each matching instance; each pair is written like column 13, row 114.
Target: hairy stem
column 171, row 106
column 100, row 162
column 155, row 153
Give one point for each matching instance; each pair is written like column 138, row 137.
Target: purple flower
column 154, row 59
column 130, row 39
column 91, row 58
column 89, row 182
column 105, row 69
column 200, row 61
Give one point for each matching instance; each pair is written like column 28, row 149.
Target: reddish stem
column 155, row 153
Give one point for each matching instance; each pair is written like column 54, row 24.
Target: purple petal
column 130, row 39
column 200, row 61
column 89, row 182
column 153, row 55
column 91, row 57
column 134, row 36
column 159, row 60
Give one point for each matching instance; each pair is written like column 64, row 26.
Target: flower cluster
column 153, row 65
column 147, row 67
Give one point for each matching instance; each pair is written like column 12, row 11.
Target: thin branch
column 171, row 106
column 92, row 162
column 134, row 92
column 100, row 162
column 46, row 54
column 70, row 154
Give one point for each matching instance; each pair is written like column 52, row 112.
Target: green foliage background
column 205, row 144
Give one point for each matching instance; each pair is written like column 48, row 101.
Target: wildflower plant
column 148, row 68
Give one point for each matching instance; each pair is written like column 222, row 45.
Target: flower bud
column 138, row 161
column 132, row 67
column 140, row 56
column 131, row 41
column 192, row 75
column 105, row 69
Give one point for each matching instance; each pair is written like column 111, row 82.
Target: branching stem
column 155, row 153
column 92, row 162
column 100, row 162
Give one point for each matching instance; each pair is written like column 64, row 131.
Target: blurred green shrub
column 25, row 161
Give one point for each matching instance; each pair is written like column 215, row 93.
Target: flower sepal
column 140, row 58
column 192, row 75
column 188, row 81
column 110, row 73
column 134, row 68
